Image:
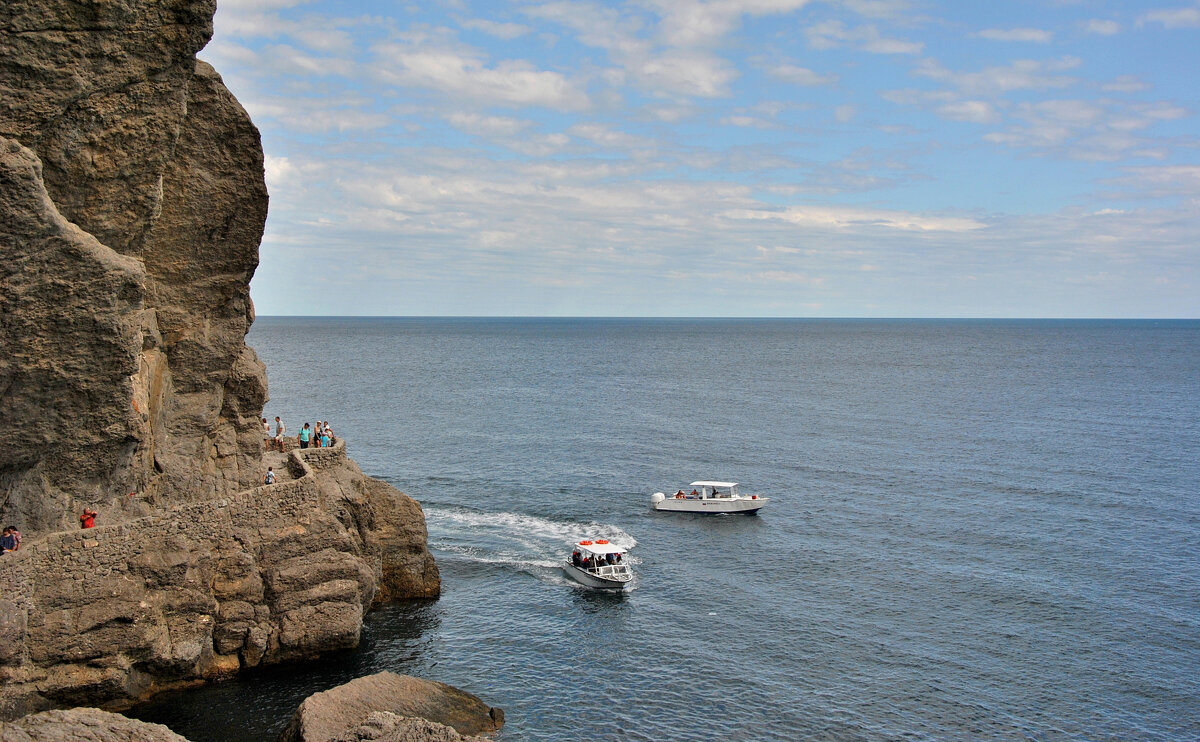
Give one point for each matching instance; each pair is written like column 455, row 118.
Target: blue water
column 978, row 529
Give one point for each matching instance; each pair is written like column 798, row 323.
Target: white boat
column 709, row 497
column 597, row 563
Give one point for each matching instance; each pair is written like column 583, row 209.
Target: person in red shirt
column 88, row 518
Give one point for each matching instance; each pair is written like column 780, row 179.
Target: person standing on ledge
column 266, row 435
column 280, row 429
column 87, row 519
column 305, row 436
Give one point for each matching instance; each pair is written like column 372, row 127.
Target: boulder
column 332, row 714
column 84, row 725
column 383, row 726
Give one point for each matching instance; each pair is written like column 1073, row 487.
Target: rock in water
column 337, row 712
column 132, row 202
column 382, row 726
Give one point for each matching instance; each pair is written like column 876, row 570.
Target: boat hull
column 591, row 580
column 744, row 505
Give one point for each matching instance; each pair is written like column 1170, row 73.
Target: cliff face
column 132, row 203
column 125, row 367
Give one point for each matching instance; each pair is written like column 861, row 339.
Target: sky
column 762, row 158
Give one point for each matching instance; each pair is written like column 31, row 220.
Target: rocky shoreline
column 132, row 204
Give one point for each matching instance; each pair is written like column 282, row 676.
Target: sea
column 977, row 529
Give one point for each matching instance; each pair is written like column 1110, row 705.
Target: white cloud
column 684, row 73
column 1022, row 74
column 1028, row 35
column 1101, row 27
column 509, row 82
column 974, row 111
column 506, row 31
column 606, row 136
column 747, row 122
column 1161, row 180
column 487, row 126
column 693, row 23
column 835, row 34
column 850, row 218
column 1172, row 17
column 799, row 75
column 878, row 8
column 1125, row 84
column 844, row 113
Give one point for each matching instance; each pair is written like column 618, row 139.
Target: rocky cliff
column 132, row 202
column 133, row 196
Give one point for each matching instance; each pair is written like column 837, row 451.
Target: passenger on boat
column 575, row 558
column 679, row 495
column 694, row 493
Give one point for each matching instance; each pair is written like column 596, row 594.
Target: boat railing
column 610, row 570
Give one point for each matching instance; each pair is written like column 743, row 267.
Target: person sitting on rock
column 269, row 477
column 7, row 541
column 87, row 519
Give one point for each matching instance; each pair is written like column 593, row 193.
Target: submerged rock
column 345, row 711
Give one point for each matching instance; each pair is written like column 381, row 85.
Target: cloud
column 1101, row 27
column 1160, row 181
column 487, row 126
column 849, row 218
column 878, row 8
column 974, row 111
column 605, row 136
column 1022, row 74
column 695, row 23
column 466, row 75
column 506, row 31
column 1085, row 130
column 799, row 75
column 688, row 74
column 1125, row 84
column 835, row 34
column 1172, row 17
column 1028, row 35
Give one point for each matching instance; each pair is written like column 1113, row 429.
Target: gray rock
column 341, row 712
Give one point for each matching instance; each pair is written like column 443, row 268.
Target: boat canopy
column 599, row 546
column 724, row 485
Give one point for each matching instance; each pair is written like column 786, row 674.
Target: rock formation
column 138, row 183
column 76, row 725
column 132, row 202
column 382, row 726
column 338, row 713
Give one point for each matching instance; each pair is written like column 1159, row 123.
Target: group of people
column 11, row 540
column 318, row 436
column 590, row 562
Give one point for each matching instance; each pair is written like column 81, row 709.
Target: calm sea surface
column 978, row 529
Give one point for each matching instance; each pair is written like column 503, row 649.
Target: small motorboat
column 709, row 497
column 599, row 564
